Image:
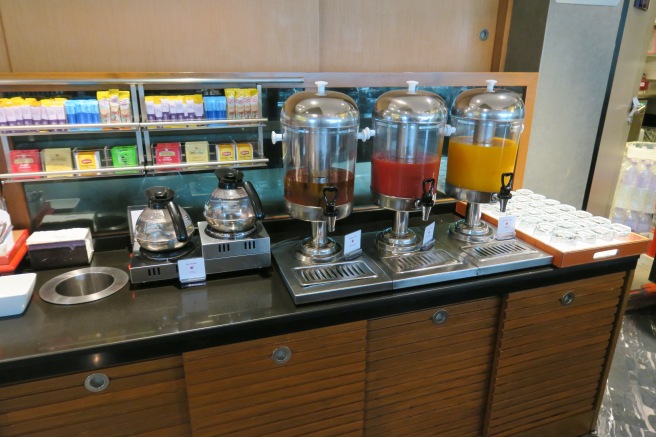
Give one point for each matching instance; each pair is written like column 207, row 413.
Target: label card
column 428, row 234
column 352, row 242
column 191, row 270
column 506, row 227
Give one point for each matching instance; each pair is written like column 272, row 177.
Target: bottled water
column 644, row 223
column 626, row 185
column 639, row 197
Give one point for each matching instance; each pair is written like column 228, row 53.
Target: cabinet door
column 428, row 371
column 301, row 384
column 143, row 399
column 553, row 348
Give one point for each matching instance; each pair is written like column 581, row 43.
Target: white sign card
column 191, row 270
column 428, row 234
column 506, row 227
column 352, row 242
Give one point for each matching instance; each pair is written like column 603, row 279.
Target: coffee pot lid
column 159, row 196
column 493, row 104
column 320, row 109
column 410, row 106
column 229, row 178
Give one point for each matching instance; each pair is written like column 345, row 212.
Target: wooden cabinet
column 552, row 357
column 305, row 383
column 142, row 399
column 428, row 371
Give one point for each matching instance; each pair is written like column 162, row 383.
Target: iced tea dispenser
column 482, row 154
column 319, row 135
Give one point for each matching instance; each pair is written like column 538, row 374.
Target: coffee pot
column 163, row 226
column 234, row 206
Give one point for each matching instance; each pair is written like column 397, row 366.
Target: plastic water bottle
column 639, row 198
column 618, row 215
column 650, row 201
column 631, row 220
column 644, row 223
column 626, row 185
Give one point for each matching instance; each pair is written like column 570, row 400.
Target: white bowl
column 15, row 293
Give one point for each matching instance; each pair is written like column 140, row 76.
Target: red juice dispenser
column 319, row 135
column 409, row 126
column 482, row 154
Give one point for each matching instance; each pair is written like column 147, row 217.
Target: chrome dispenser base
column 481, row 233
column 310, row 253
column 391, row 243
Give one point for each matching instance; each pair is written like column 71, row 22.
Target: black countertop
column 143, row 322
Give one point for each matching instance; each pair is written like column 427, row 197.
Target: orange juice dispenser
column 482, row 154
column 409, row 126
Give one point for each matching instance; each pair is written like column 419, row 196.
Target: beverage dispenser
column 482, row 154
column 319, row 136
column 409, row 126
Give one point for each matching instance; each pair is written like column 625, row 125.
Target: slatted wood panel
column 426, row 379
column 238, row 389
column 551, row 356
column 142, row 399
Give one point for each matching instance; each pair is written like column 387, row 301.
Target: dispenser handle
column 506, row 186
column 426, row 200
column 331, row 210
column 178, row 222
column 255, row 200
column 321, row 85
column 412, row 86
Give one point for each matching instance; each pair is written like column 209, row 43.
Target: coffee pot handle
column 178, row 222
column 255, row 200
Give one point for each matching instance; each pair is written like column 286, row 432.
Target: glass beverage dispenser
column 409, row 126
column 482, row 154
column 319, row 135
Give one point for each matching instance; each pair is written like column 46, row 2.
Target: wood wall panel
column 247, row 35
column 414, row 35
column 5, row 65
column 162, row 35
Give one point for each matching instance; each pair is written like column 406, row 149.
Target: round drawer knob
column 440, row 317
column 281, row 355
column 96, row 382
column 567, row 298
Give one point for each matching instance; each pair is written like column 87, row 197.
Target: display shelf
column 70, row 174
column 202, row 124
column 58, row 129
column 192, row 166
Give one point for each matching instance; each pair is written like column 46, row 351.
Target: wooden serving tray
column 635, row 245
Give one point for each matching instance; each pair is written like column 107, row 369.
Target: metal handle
column 96, row 382
column 281, row 355
column 567, row 298
column 440, row 317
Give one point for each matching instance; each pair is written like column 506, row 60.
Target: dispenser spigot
column 426, row 202
column 504, row 192
column 330, row 210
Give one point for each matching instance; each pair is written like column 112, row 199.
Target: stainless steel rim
column 470, row 195
column 48, row 291
column 394, row 203
column 315, row 213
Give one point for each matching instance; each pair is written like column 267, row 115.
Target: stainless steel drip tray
column 496, row 256
column 438, row 264
column 309, row 283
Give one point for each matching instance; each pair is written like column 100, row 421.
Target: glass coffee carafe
column 163, row 226
column 409, row 128
column 482, row 154
column 234, row 207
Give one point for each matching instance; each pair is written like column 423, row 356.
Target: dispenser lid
column 410, row 106
column 494, row 104
column 320, row 108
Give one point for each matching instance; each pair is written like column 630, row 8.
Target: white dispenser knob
column 412, row 86
column 448, row 130
column 490, row 84
column 276, row 137
column 366, row 133
column 321, row 85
